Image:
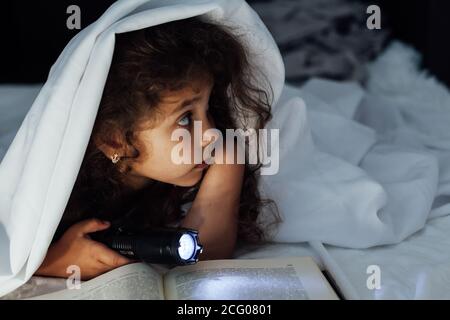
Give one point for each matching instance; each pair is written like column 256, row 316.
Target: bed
column 416, row 268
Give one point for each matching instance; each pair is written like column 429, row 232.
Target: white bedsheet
column 342, row 183
column 417, row 268
column 39, row 169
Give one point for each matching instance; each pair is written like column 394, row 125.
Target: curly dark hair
column 146, row 62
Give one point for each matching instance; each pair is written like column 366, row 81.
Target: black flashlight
column 179, row 246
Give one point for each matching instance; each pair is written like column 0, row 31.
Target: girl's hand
column 76, row 248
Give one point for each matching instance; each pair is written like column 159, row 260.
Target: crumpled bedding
column 359, row 167
column 40, row 166
column 416, row 268
column 363, row 167
column 409, row 110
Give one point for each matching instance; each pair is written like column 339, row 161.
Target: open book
column 265, row 279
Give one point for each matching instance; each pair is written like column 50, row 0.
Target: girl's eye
column 185, row 120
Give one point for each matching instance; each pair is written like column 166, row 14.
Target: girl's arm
column 214, row 212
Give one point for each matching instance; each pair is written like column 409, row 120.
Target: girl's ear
column 110, row 147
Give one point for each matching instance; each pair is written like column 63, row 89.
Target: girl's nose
column 207, row 137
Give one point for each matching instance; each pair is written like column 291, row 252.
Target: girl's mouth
column 202, row 165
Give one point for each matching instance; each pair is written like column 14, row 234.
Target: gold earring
column 115, row 158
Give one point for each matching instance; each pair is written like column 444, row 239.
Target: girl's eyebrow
column 186, row 103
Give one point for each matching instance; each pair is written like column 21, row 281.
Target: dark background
column 34, row 34
column 426, row 25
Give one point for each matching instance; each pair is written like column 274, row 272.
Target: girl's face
column 178, row 109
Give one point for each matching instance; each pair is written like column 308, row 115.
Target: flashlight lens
column 187, row 246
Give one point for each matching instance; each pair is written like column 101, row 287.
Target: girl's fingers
column 110, row 257
column 91, row 225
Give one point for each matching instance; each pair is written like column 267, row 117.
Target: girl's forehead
column 174, row 97
column 194, row 89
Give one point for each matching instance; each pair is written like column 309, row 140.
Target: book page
column 136, row 281
column 264, row 279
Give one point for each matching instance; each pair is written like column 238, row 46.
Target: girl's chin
column 191, row 178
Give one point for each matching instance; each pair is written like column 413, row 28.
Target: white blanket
column 39, row 169
column 339, row 182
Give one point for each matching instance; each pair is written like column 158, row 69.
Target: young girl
column 163, row 78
